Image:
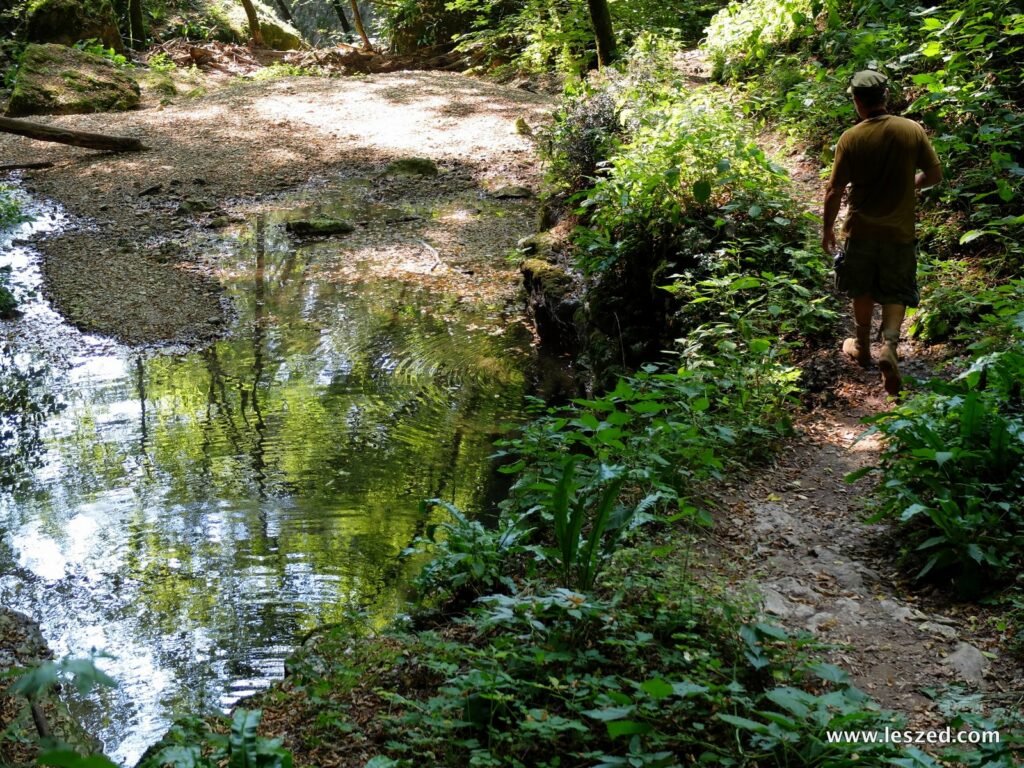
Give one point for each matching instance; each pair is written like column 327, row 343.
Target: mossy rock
column 322, row 226
column 233, row 25
column 411, row 166
column 552, row 281
column 512, row 192
column 194, row 205
column 57, row 80
column 69, row 21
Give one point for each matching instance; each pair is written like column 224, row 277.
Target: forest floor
column 793, row 531
column 135, row 262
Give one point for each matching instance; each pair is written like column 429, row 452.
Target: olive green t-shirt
column 879, row 158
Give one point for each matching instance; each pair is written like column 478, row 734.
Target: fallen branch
column 67, row 136
column 25, row 166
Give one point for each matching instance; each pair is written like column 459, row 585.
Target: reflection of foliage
column 24, row 405
column 10, row 208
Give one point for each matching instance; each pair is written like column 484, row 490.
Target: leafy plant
column 954, row 473
column 470, row 559
column 161, row 62
column 190, row 743
column 96, row 48
column 83, row 675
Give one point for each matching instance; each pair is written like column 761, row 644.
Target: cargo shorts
column 887, row 272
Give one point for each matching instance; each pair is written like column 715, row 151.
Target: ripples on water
column 195, row 514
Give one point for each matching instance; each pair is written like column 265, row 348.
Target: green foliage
column 689, row 164
column 656, row 673
column 954, row 296
column 536, row 37
column 11, row 210
column 280, row 69
column 96, row 48
column 192, row 743
column 161, row 62
column 83, row 674
column 747, row 32
column 471, row 559
column 954, row 473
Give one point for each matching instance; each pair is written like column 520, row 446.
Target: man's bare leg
column 888, row 358
column 859, row 347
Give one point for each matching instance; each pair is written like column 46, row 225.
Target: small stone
column 967, row 662
column 411, row 166
column 194, row 205
column 776, row 604
column 512, row 192
column 942, row 630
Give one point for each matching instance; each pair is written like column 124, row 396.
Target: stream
column 193, row 513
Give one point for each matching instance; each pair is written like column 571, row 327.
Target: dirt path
column 797, row 532
column 137, row 262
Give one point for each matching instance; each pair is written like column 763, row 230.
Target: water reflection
column 195, row 514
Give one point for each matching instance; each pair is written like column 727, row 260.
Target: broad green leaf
column 702, row 191
column 686, row 689
column 657, row 689
column 744, row 723
column 610, row 713
column 627, row 728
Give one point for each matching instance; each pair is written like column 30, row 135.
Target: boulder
column 233, row 26
column 57, row 80
column 411, row 166
column 69, row 21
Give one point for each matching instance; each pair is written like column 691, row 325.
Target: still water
column 195, row 513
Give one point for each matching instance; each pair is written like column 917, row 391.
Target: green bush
column 688, row 164
column 954, row 474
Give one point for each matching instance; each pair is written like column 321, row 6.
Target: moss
column 70, row 21
column 55, row 79
column 411, row 166
column 232, row 26
column 552, row 280
column 322, row 226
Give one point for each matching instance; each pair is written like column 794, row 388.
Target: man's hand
column 828, row 241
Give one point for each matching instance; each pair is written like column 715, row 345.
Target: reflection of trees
column 25, row 404
column 275, row 475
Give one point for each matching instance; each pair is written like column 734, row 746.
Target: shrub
column 689, row 164
column 954, row 474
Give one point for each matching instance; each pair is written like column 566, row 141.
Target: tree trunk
column 286, row 11
column 254, row 23
column 345, row 27
column 601, row 18
column 358, row 19
column 67, row 136
column 136, row 24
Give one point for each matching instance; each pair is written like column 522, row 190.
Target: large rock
column 233, row 26
column 68, row 21
column 57, row 80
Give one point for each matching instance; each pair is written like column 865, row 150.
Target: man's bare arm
column 833, row 201
column 928, row 177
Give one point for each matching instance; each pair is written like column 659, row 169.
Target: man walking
column 879, row 158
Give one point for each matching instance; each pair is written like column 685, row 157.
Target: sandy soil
column 135, row 267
